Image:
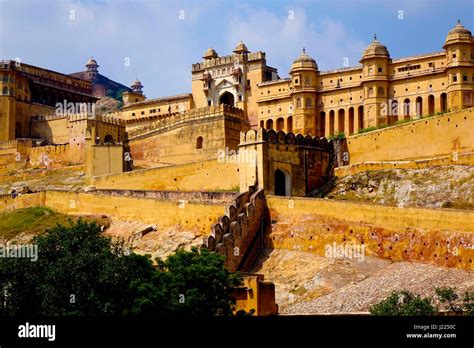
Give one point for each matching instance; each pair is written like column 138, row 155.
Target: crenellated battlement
column 229, row 59
column 234, row 235
column 155, row 123
column 270, row 136
column 110, row 119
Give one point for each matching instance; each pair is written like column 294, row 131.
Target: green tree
column 448, row 296
column 191, row 283
column 402, row 303
column 81, row 272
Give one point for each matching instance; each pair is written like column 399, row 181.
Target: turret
column 304, row 75
column 135, row 96
column 92, row 68
column 375, row 61
column 459, row 46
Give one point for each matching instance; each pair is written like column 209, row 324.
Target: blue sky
column 161, row 39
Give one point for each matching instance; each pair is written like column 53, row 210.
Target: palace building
column 379, row 91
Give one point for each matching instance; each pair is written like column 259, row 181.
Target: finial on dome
column 375, row 36
column 459, row 21
column 304, row 50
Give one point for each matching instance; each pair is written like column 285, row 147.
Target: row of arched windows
column 333, row 121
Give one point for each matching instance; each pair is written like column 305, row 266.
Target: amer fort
column 374, row 160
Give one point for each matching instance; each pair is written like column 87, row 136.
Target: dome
column 458, row 33
column 210, row 53
column 136, row 85
column 241, row 48
column 92, row 63
column 304, row 61
column 375, row 49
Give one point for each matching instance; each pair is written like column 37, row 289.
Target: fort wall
column 428, row 137
column 197, row 134
column 197, row 217
column 439, row 236
column 198, row 176
column 455, row 159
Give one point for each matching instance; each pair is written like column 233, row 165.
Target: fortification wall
column 192, row 136
column 305, row 161
column 456, row 159
column 23, row 201
column 430, row 137
column 216, row 197
column 199, row 176
column 439, row 236
column 197, row 217
column 54, row 129
column 57, row 155
column 235, row 233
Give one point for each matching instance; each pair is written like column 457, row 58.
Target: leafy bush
column 81, row 272
column 337, row 136
column 403, row 303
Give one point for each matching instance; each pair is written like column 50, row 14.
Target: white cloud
column 283, row 38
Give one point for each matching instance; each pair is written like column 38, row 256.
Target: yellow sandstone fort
column 245, row 136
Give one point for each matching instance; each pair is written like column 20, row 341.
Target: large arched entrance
column 282, row 183
column 227, row 98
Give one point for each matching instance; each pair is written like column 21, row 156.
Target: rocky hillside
column 106, row 104
column 436, row 187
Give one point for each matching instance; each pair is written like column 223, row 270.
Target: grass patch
column 337, row 136
column 30, row 220
column 235, row 188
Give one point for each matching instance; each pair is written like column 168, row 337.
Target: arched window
column 298, row 102
column 443, row 102
column 262, row 124
column 308, row 103
column 340, row 120
column 394, row 108
column 5, row 91
column 289, row 124
column 269, row 124
column 380, row 92
column 331, row 122
column 431, row 104
column 360, row 116
column 280, row 124
column 406, row 108
column 351, row 121
column 199, row 141
column 419, row 107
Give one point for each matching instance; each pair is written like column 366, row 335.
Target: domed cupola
column 137, row 86
column 92, row 68
column 458, row 34
column 241, row 48
column 304, row 61
column 210, row 54
column 375, row 49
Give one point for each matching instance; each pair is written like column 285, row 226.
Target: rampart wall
column 428, row 137
column 198, row 176
column 440, row 236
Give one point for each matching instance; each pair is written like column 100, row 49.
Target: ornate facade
column 378, row 92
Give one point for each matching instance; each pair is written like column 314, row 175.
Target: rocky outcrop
column 435, row 187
